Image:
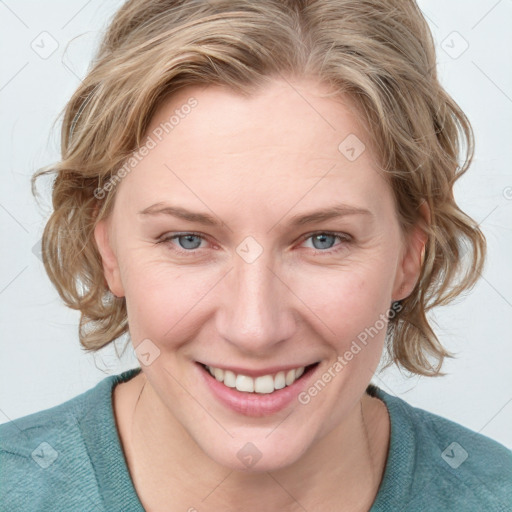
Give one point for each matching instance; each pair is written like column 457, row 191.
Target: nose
column 256, row 313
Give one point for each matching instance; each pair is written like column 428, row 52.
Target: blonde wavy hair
column 380, row 52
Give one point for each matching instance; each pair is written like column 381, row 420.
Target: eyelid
column 168, row 237
column 172, row 234
column 344, row 237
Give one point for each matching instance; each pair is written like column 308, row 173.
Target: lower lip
column 256, row 404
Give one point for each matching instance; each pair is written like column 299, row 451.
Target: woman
column 260, row 194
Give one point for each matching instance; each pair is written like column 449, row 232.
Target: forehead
column 295, row 115
column 276, row 144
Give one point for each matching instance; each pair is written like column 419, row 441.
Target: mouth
column 262, row 384
column 261, row 394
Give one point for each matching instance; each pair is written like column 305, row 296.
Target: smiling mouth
column 264, row 384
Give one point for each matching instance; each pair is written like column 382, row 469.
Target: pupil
column 187, row 240
column 322, row 238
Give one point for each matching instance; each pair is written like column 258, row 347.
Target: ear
column 109, row 259
column 411, row 262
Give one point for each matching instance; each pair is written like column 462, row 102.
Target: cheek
column 348, row 302
column 160, row 297
column 165, row 301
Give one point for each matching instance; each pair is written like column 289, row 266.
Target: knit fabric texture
column 69, row 458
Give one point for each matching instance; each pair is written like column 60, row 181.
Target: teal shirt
column 69, row 458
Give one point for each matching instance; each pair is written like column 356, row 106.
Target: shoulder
column 454, row 467
column 17, row 437
column 45, row 456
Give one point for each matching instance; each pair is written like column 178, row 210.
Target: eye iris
column 322, row 238
column 325, row 240
column 187, row 238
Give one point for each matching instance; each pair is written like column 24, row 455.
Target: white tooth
column 290, row 377
column 210, row 369
column 264, row 384
column 229, row 379
column 279, row 381
column 299, row 372
column 219, row 374
column 245, row 383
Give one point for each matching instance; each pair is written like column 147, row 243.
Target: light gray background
column 41, row 362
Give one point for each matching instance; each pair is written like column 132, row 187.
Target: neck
column 342, row 469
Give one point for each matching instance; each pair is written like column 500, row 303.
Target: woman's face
column 256, row 236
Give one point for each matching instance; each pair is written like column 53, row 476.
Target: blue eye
column 188, row 242
column 323, row 240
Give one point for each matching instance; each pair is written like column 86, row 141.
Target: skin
column 254, row 163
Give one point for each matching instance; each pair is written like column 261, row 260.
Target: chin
column 256, row 454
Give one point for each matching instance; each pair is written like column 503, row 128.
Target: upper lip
column 258, row 373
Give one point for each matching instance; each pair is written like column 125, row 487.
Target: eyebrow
column 336, row 211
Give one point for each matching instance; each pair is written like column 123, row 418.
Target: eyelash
column 343, row 237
